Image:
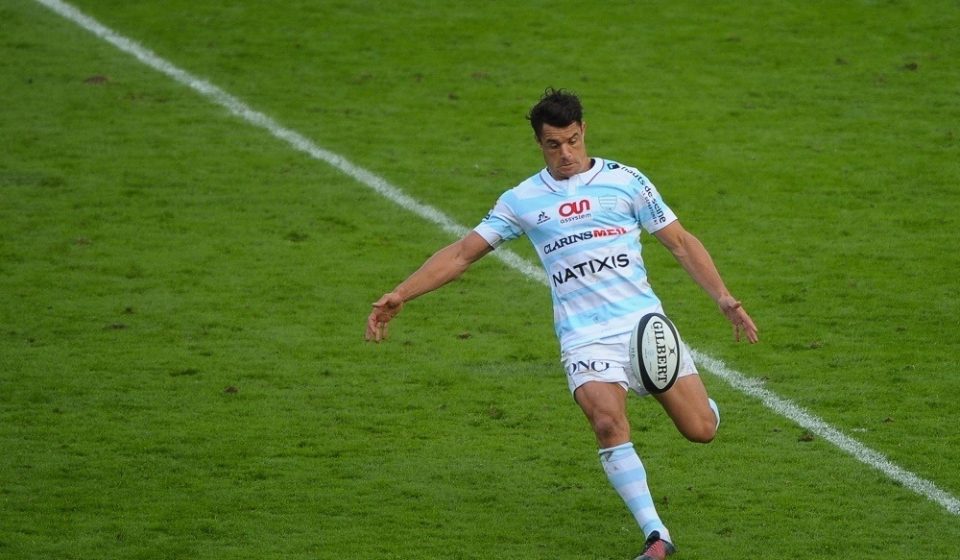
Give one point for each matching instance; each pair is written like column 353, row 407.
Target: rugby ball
column 655, row 353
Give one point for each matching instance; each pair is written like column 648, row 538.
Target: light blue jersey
column 586, row 231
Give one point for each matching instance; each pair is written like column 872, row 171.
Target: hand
column 742, row 323
column 384, row 309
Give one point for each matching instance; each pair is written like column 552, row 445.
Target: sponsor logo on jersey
column 653, row 206
column 636, row 174
column 589, row 268
column 574, row 211
column 587, row 366
column 543, row 217
column 582, row 236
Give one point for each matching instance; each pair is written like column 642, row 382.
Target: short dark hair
column 557, row 107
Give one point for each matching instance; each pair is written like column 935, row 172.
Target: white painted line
column 737, row 380
column 816, row 425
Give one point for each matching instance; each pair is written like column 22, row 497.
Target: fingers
column 376, row 327
column 375, row 323
column 744, row 325
column 377, row 333
column 383, row 310
column 740, row 330
column 384, row 331
column 373, row 332
column 752, row 335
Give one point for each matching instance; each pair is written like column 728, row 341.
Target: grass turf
column 181, row 368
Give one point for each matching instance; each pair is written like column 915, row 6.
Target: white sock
column 629, row 479
column 716, row 411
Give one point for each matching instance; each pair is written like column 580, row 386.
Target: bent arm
column 444, row 266
column 694, row 258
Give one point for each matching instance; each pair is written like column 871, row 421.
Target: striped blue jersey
column 586, row 230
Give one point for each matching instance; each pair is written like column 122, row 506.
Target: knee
column 610, row 429
column 701, row 432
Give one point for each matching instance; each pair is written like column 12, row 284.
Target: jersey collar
column 581, row 179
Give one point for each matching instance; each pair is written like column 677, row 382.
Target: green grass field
column 182, row 370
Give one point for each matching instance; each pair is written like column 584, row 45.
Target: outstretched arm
column 445, row 265
column 693, row 256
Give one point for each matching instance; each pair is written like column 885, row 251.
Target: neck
column 586, row 167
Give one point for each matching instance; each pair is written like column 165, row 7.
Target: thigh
column 686, row 403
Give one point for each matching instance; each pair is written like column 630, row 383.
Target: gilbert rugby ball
column 655, row 353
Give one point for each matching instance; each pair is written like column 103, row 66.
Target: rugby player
column 583, row 215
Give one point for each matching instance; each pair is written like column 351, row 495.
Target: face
column 564, row 150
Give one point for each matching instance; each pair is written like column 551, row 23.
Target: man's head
column 557, row 121
column 557, row 108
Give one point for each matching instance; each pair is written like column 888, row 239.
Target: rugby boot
column 656, row 548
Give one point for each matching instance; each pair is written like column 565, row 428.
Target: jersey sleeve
column 500, row 224
column 652, row 212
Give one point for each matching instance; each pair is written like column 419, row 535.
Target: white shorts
column 608, row 360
